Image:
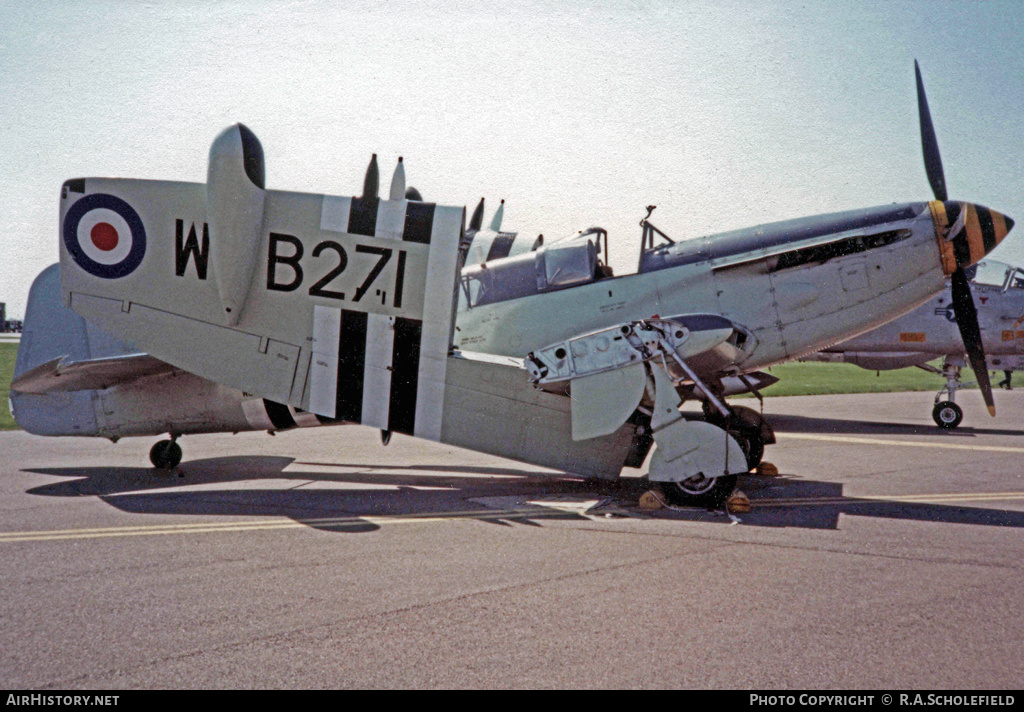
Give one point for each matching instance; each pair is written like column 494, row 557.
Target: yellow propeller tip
column 992, row 410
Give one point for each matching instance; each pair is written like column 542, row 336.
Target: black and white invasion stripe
column 395, row 219
column 380, row 370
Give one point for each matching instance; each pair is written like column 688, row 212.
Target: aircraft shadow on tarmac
column 348, row 499
column 787, row 501
column 331, row 501
column 807, row 424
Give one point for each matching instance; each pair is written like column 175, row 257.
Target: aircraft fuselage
column 795, row 287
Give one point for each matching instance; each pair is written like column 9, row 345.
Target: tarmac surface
column 886, row 555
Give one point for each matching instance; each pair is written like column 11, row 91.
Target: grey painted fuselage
column 744, row 276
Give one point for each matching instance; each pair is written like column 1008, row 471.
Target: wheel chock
column 737, row 503
column 651, row 500
column 767, row 469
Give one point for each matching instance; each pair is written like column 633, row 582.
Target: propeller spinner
column 966, row 233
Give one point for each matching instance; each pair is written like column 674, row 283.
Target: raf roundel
column 105, row 236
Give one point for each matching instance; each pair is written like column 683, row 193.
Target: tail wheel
column 700, row 491
column 947, row 415
column 165, row 455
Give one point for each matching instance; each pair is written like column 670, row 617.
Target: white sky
column 722, row 114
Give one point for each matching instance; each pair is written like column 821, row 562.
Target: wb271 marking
column 191, row 248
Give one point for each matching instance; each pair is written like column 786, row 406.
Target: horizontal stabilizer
column 61, row 375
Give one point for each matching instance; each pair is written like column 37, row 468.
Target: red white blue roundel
column 105, row 236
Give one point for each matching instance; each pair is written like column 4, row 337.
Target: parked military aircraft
column 341, row 310
column 930, row 332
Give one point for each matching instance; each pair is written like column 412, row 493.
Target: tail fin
column 53, row 331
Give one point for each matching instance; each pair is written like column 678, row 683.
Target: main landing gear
column 751, row 432
column 166, row 454
column 700, row 491
column 747, row 426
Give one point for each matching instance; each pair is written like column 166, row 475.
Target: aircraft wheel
column 947, row 414
column 165, row 455
column 752, row 444
column 700, row 491
column 745, row 426
column 711, row 413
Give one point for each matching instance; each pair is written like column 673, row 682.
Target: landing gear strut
column 696, row 463
column 166, row 454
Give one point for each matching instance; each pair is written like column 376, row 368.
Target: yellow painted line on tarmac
column 902, row 443
column 270, row 524
column 952, row 498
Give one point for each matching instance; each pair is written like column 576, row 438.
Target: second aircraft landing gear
column 166, row 454
column 946, row 413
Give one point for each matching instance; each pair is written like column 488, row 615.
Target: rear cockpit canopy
column 563, row 264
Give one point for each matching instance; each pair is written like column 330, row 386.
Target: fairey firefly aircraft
column 930, row 332
column 342, row 310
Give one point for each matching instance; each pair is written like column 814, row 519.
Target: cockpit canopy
column 996, row 274
column 563, row 264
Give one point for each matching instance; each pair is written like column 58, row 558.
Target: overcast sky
column 722, row 114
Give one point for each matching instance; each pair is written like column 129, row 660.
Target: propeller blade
column 932, row 160
column 970, row 332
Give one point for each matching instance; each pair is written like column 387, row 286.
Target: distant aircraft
column 931, row 332
column 342, row 310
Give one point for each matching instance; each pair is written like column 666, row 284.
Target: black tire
column 711, row 413
column 744, row 425
column 751, row 444
column 947, row 415
column 710, row 493
column 165, row 455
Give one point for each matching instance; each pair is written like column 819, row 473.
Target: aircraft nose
column 967, row 232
